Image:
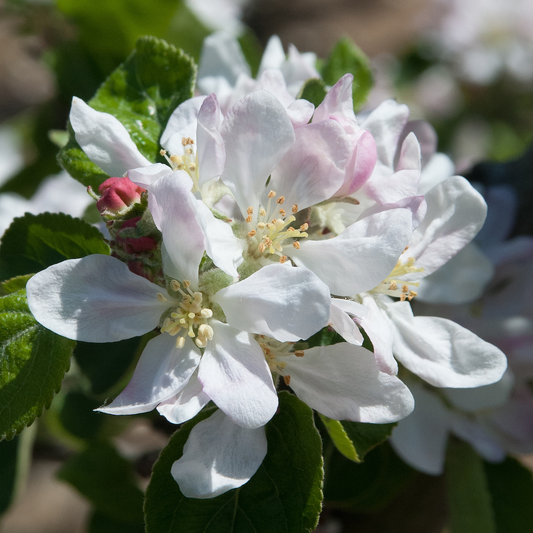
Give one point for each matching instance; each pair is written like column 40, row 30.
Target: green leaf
column 313, row 90
column 142, row 93
column 106, row 479
column 340, row 438
column 33, row 361
column 345, row 58
column 78, row 417
column 14, row 284
column 511, row 487
column 368, row 486
column 284, row 496
column 468, row 494
column 103, row 523
column 34, row 242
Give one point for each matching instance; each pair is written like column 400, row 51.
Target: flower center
column 396, row 287
column 275, row 351
column 187, row 162
column 189, row 316
column 273, row 236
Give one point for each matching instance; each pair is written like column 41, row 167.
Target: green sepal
column 141, row 93
column 347, row 57
column 33, row 361
column 313, row 90
column 284, row 496
column 34, row 242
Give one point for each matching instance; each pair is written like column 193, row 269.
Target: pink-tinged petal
column 386, row 124
column 443, row 353
column 380, row 332
column 339, row 100
column 343, row 323
column 257, row 133
column 147, row 176
column 173, row 208
column 182, row 123
column 186, row 404
column 455, row 213
column 105, row 140
column 234, row 374
column 343, row 382
column 387, row 188
column 210, row 150
column 273, row 56
column 95, row 299
column 161, row 372
column 362, row 256
column 313, row 169
column 221, row 244
column 427, row 137
column 421, row 438
column 300, row 112
column 279, row 301
column 360, row 166
column 218, row 456
column 272, row 80
column 221, row 57
column 461, row 280
column 298, row 68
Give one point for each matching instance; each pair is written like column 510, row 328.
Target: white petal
column 420, row 439
column 280, row 301
column 442, row 352
column 313, row 169
column 343, row 382
column 221, row 57
column 439, row 168
column 186, row 404
column 221, row 244
column 300, row 112
column 381, row 335
column 147, row 176
column 234, row 374
column 105, row 140
column 95, row 299
column 173, row 208
column 461, row 280
column 456, row 212
column 257, row 133
column 273, row 56
column 362, row 256
column 344, row 324
column 218, row 456
column 161, row 371
column 211, row 153
column 182, row 123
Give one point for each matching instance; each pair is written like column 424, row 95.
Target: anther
column 272, row 194
column 188, row 150
column 393, row 286
column 287, row 380
column 280, row 200
column 174, row 285
column 296, row 245
column 251, row 233
column 304, row 227
column 250, row 210
column 295, row 208
column 282, row 212
column 162, row 152
column 262, row 212
column 283, row 259
column 249, row 218
column 299, row 353
column 186, row 283
column 161, row 297
column 405, row 288
column 206, row 313
column 192, row 167
column 191, row 315
column 261, row 225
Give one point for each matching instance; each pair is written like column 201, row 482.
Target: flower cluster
column 274, row 220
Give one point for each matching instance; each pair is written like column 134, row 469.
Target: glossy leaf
column 284, row 496
column 347, row 57
column 34, row 242
column 141, row 93
column 33, row 361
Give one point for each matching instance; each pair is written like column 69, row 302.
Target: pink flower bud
column 117, row 194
